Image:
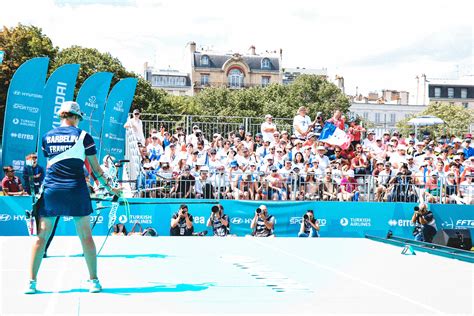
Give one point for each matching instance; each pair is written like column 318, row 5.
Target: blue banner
column 59, row 88
column 91, row 98
column 116, row 112
column 336, row 219
column 22, row 114
column 2, row 53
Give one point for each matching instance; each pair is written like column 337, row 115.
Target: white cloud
column 338, row 35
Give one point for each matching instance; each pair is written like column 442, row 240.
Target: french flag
column 335, row 136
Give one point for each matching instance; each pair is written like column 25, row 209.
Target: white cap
column 71, row 107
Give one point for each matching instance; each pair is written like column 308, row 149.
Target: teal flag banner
column 116, row 112
column 59, row 88
column 91, row 98
column 22, row 114
column 2, row 53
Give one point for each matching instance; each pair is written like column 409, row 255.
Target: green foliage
column 457, row 120
column 20, row 43
column 315, row 92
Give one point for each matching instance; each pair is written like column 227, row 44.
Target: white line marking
column 351, row 277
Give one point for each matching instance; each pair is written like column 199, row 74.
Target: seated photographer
column 425, row 224
column 182, row 222
column 309, row 225
column 219, row 221
column 262, row 223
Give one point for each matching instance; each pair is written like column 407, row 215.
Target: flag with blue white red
column 335, row 136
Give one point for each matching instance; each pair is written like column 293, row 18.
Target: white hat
column 402, row 147
column 320, row 148
column 268, row 116
column 71, row 107
column 204, row 168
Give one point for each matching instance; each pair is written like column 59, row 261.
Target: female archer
column 67, row 147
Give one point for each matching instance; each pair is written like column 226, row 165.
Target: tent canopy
column 425, row 120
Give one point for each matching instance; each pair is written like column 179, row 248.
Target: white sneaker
column 31, row 289
column 94, row 286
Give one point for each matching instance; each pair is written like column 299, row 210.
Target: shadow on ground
column 158, row 288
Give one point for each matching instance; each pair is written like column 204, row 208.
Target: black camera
column 198, row 134
column 306, row 217
column 416, row 209
column 215, row 209
column 258, row 210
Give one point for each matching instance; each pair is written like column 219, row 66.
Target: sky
column 374, row 45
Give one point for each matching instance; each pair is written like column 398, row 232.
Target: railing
column 303, row 187
column 210, row 124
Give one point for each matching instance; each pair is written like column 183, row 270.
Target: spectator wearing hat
column 302, row 124
column 248, row 142
column 149, row 139
column 246, row 187
column 240, row 133
column 135, row 125
column 322, row 158
column 258, row 142
column 154, row 149
column 221, row 182
column 433, row 188
column 268, row 128
column 276, row 185
column 347, row 188
column 312, row 184
column 262, row 151
column 468, row 148
column 400, row 157
column 329, row 188
column 386, row 137
column 298, row 147
column 382, row 181
column 466, row 190
column 411, row 137
column 310, row 141
column 203, row 187
column 369, row 142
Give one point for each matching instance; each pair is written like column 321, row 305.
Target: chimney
column 192, row 47
column 252, row 50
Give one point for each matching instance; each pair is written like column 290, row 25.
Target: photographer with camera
column 262, row 223
column 309, row 225
column 219, row 221
column 182, row 222
column 425, row 224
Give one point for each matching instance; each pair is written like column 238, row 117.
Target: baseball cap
column 273, row 168
column 258, row 135
column 268, row 116
column 204, row 168
column 320, row 148
column 234, row 164
column 371, row 131
column 71, row 107
column 136, row 111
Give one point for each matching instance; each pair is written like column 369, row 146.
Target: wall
column 336, row 219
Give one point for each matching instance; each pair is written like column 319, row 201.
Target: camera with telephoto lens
column 215, row 209
column 306, row 217
column 258, row 210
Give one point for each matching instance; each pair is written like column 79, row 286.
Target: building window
column 377, row 117
column 265, row 81
column 463, row 93
column 204, row 79
column 204, row 60
column 437, row 92
column 366, row 116
column 450, row 93
column 236, row 78
column 266, row 63
column 393, row 117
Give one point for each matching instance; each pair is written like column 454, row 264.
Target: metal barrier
column 210, row 124
column 303, row 187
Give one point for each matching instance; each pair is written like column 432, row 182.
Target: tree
column 20, row 43
column 457, row 119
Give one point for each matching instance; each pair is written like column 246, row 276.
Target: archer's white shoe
column 94, row 286
column 31, row 289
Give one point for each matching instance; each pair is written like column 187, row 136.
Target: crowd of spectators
column 278, row 164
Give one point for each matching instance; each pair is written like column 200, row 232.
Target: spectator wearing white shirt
column 302, row 123
column 322, row 158
column 135, row 124
column 268, row 128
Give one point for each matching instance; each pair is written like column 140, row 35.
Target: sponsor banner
column 335, row 219
column 59, row 88
column 2, row 54
column 116, row 112
column 91, row 98
column 22, row 114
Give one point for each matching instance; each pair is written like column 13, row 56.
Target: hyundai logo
column 236, row 220
column 344, row 221
column 5, row 217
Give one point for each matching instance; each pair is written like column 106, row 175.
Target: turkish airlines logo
column 344, row 221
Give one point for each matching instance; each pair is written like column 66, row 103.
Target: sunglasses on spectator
column 136, row 114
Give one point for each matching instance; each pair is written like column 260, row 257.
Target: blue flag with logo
column 22, row 113
column 59, row 88
column 91, row 99
column 116, row 113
